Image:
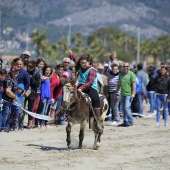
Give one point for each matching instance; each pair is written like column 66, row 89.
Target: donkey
column 79, row 110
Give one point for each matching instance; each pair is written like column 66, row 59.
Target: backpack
column 138, row 85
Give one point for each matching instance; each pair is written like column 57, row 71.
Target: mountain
column 153, row 16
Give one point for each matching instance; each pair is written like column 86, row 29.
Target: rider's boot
column 98, row 123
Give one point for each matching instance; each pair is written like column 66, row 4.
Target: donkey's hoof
column 96, row 146
column 69, row 146
column 80, row 147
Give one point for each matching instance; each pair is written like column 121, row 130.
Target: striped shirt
column 112, row 81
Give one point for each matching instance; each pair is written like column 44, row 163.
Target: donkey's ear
column 73, row 81
column 64, row 80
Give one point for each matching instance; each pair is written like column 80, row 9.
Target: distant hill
column 152, row 16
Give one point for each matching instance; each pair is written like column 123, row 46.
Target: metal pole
column 105, row 40
column 125, row 41
column 126, row 38
column 0, row 26
column 69, row 32
column 138, row 47
column 27, row 39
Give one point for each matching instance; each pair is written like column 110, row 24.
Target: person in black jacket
column 162, row 89
column 151, row 88
column 34, row 84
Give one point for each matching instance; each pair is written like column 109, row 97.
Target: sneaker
column 121, row 114
column 157, row 124
column 166, row 124
column 115, row 123
column 130, row 124
column 123, row 125
column 21, row 128
column 16, row 129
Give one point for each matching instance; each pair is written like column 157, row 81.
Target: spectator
column 8, row 66
column 151, row 88
column 9, row 95
column 66, row 64
column 45, row 93
column 143, row 80
column 25, row 57
column 106, row 67
column 101, row 80
column 56, row 89
column 112, row 58
column 162, row 90
column 40, row 64
column 34, row 84
column 1, row 61
column 127, row 85
column 23, row 78
column 113, row 77
column 14, row 116
column 2, row 73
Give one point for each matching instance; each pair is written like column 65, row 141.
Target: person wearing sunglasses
column 23, row 78
column 127, row 85
column 35, row 81
column 66, row 64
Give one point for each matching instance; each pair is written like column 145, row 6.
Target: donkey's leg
column 81, row 134
column 68, row 131
column 97, row 140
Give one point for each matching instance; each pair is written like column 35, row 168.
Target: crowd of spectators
column 30, row 84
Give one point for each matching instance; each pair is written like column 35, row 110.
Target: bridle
column 73, row 104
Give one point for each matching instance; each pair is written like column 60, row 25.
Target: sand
column 142, row 146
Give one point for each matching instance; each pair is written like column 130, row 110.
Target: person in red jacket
column 56, row 88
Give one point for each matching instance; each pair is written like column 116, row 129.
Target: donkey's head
column 69, row 96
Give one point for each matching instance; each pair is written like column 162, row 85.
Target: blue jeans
column 151, row 97
column 126, row 109
column 140, row 100
column 44, row 110
column 22, row 114
column 169, row 107
column 6, row 113
column 161, row 99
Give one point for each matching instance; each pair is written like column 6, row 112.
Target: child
column 45, row 93
column 15, row 109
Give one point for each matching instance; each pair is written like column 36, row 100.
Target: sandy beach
column 142, row 146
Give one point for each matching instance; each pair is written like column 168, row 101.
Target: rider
column 87, row 81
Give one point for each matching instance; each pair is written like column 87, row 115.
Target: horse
column 79, row 110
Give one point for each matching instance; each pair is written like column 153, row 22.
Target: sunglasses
column 16, row 71
column 125, row 66
column 67, row 62
column 30, row 66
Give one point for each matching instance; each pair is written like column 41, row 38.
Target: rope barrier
column 38, row 116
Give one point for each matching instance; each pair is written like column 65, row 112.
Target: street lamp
column 126, row 38
column 69, row 32
column 105, row 40
column 138, row 46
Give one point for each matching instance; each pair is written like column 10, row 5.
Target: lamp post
column 126, row 38
column 138, row 46
column 69, row 32
column 27, row 39
column 105, row 40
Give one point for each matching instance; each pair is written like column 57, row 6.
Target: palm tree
column 38, row 38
